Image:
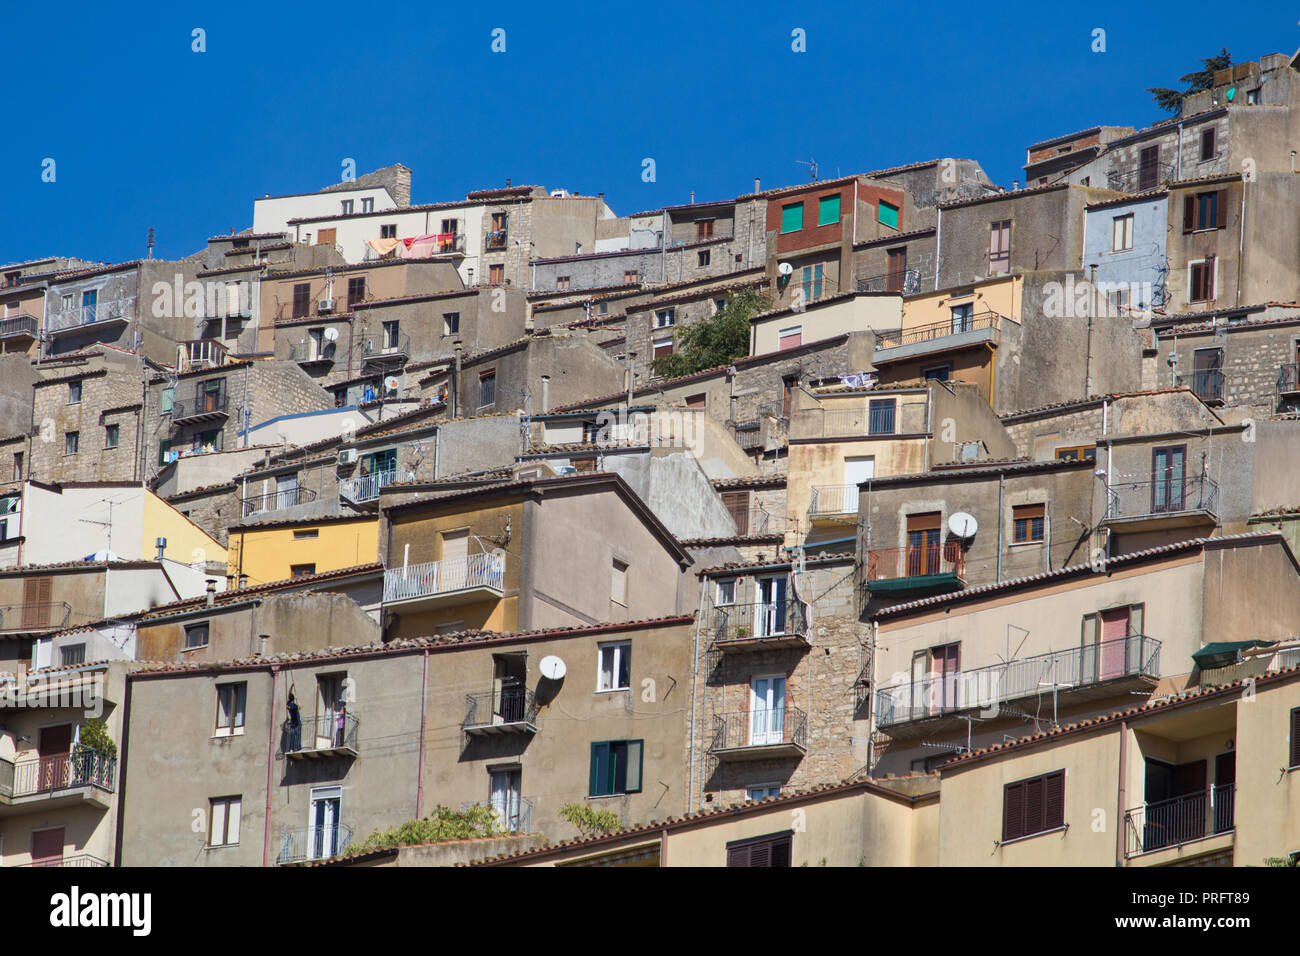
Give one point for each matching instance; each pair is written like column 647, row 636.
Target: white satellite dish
column 331, row 334
column 963, row 525
column 392, row 382
column 785, row 269
column 552, row 667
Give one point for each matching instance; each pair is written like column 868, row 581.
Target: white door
column 323, row 832
column 286, row 490
column 505, row 797
column 856, row 471
column 767, row 711
column 455, row 554
column 770, row 611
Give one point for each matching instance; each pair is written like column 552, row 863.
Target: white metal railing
column 123, row 308
column 438, row 577
column 366, row 487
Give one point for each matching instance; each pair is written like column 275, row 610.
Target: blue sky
column 144, row 132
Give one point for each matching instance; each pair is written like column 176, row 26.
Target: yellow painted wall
column 268, row 554
column 186, row 541
column 1002, row 296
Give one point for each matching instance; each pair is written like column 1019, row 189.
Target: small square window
column 615, row 666
column 301, row 570
column 615, row 767
column 73, row 654
column 665, row 318
column 704, row 258
column 111, row 434
column 562, row 282
column 451, row 323
column 74, row 393
column 196, row 635
column 631, row 277
column 346, row 206
column 1028, row 523
column 887, row 214
column 71, row 442
column 388, row 231
column 368, row 204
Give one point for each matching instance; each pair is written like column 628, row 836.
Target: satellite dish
column 392, row 382
column 552, row 667
column 785, row 269
column 331, row 334
column 963, row 525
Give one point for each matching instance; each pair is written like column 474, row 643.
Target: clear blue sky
column 146, row 132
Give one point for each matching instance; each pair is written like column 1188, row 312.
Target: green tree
column 1171, row 101
column 441, row 825
column 94, row 736
column 588, row 821
column 718, row 340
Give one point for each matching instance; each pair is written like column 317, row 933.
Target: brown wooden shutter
column 1189, row 214
column 36, row 601
column 1221, row 209
column 1013, row 811
column 1295, row 737
column 1035, row 806
column 737, row 856
column 781, row 851
column 1054, row 800
column 737, row 503
column 930, row 521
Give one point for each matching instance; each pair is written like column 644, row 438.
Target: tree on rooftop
column 718, row 340
column 1171, row 101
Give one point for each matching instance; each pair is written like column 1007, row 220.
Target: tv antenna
column 812, row 167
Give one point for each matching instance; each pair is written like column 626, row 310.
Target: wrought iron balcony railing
column 939, row 330
column 212, row 405
column 1162, row 496
column 34, row 616
column 391, row 350
column 1288, row 379
column 366, row 487
column 907, row 282
column 1205, row 383
column 500, row 710
column 771, row 727
column 833, row 500
column 514, row 814
column 323, row 734
column 302, row 844
column 305, row 353
column 111, row 310
column 440, row 577
column 276, row 500
column 76, row 860
column 743, row 622
column 916, row 561
column 49, row 774
column 986, row 687
column 1179, row 820
column 18, row 326
column 1139, row 177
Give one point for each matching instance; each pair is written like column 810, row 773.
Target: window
column 939, row 373
column 196, row 635
column 1000, row 247
column 167, row 400
column 698, row 400
column 704, row 228
column 165, row 453
column 496, row 274
column 356, row 290
column 367, row 204
column 881, row 416
column 1035, row 805
column 301, row 570
column 18, row 466
column 812, row 282
column 1207, row 144
column 450, row 227
column 603, row 309
column 231, row 699
column 726, row 593
column 223, row 821
column 663, row 347
column 206, row 442
column 347, row 206
column 665, row 318
column 1252, row 97
column 1028, row 523
column 792, row 217
column 1122, row 233
column 392, row 333
column 719, row 305
column 828, row 210
column 631, row 276
column 615, row 666
column 10, row 506
column 451, row 323
column 74, row 393
column 963, row 317
column 763, row 791
column 111, row 433
column 302, row 300
column 388, row 231
column 896, row 279
column 73, row 654
column 704, row 258
column 772, row 850
column 11, row 278
column 615, row 767
column 562, row 282
column 1077, row 453
column 618, row 582
column 1204, row 211
column 89, row 305
column 788, row 384
column 1149, row 168
column 1295, row 737
column 326, row 237
column 924, row 543
column 1200, row 284
column 305, row 534
column 790, row 338
column 887, row 214
column 71, row 440
column 487, row 389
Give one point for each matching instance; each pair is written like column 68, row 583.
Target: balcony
column 866, row 420
column 114, row 311
column 83, row 778
column 312, row 353
column 916, row 570
column 304, row 844
column 756, row 520
column 18, row 328
column 1090, row 672
column 394, row 351
column 830, row 501
column 17, row 618
column 953, row 333
column 205, row 408
column 516, row 816
column 1180, row 820
column 760, row 626
column 76, row 860
column 452, row 581
column 1139, row 177
column 907, row 282
column 275, row 501
column 1162, row 504
column 365, row 488
column 1288, row 380
column 197, row 354
column 762, row 734
column 496, row 240
column 333, row 735
column 507, row 710
column 1206, row 384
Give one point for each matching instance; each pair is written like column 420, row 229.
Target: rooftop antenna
column 149, row 255
column 812, row 167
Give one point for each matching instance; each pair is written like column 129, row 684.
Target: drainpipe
column 270, row 763
column 1241, row 238
column 424, row 713
column 1087, row 342
column 437, row 441
column 1002, row 476
column 546, row 394
column 695, row 684
column 453, row 398
column 1119, row 810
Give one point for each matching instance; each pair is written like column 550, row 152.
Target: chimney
column 1015, row 184
column 546, row 394
column 262, row 641
column 507, row 182
column 692, row 197
column 600, row 196
column 756, row 186
column 161, row 544
column 453, row 398
column 243, row 580
column 212, row 592
column 399, row 185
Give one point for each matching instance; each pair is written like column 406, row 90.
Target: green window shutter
column 168, row 396
column 828, row 210
column 599, row 770
column 792, row 217
column 887, row 215
column 634, row 753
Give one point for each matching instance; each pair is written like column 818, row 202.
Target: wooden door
column 1189, row 814
column 47, row 847
column 1114, row 630
column 53, row 747
column 1224, row 794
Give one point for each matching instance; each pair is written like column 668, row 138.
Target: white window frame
column 607, row 678
column 231, row 809
column 1214, row 281
column 1121, row 234
column 750, row 790
column 230, row 728
column 346, row 207
column 665, row 318
column 717, row 594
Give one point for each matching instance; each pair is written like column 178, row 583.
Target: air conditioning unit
column 325, row 305
column 347, row 456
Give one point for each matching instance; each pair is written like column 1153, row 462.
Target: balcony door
column 53, row 749
column 923, row 544
column 453, row 565
column 504, row 797
column 1207, row 373
column 286, row 490
column 963, row 318
column 1168, row 478
column 1223, row 798
column 330, row 705
column 47, row 847
column 769, row 615
column 509, row 676
column 767, row 711
column 1114, row 630
column 323, row 823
